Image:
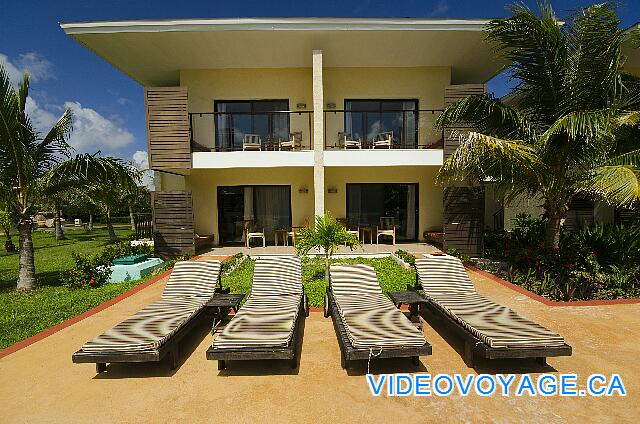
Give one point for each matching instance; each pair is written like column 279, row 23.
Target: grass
column 53, row 257
column 25, row 314
column 391, row 275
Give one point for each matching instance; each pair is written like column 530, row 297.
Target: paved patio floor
column 40, row 384
column 366, row 248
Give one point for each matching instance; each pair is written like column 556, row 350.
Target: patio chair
column 383, row 141
column 268, row 324
column 251, row 231
column 294, row 142
column 489, row 330
column 251, row 142
column 155, row 331
column 345, row 141
column 386, row 227
column 366, row 322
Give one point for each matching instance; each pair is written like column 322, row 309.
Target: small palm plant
column 327, row 235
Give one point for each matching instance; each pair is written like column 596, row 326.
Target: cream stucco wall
column 204, row 184
column 426, row 84
column 429, row 194
column 206, row 86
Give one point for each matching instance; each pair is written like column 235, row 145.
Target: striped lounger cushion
column 268, row 317
column 447, row 284
column 191, row 284
column 370, row 319
column 192, row 278
column 148, row 329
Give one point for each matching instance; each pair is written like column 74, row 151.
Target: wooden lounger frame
column 170, row 346
column 474, row 347
column 349, row 353
column 289, row 352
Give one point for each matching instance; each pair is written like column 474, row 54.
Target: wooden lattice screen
column 173, row 231
column 168, row 127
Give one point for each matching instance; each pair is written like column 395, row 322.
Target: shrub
column 460, row 255
column 123, row 248
column 87, row 271
column 406, row 256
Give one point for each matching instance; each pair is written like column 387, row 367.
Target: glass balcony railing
column 382, row 129
column 259, row 131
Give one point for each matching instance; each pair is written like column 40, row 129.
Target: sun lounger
column 155, row 331
column 366, row 322
column 489, row 330
column 267, row 326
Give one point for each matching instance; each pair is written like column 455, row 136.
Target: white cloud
column 35, row 64
column 140, row 160
column 440, row 8
column 123, row 101
column 92, row 131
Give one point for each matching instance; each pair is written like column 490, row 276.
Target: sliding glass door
column 265, row 207
column 235, row 118
column 365, row 119
column 366, row 203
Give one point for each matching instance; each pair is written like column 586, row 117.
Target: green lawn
column 24, row 314
column 391, row 275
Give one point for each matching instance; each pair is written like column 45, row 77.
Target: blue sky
column 108, row 106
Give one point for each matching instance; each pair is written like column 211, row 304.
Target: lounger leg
column 541, row 360
column 468, row 354
column 221, row 365
column 294, row 362
column 415, row 360
column 101, row 367
column 175, row 358
column 343, row 362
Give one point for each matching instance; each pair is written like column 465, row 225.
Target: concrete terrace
column 366, row 248
column 40, row 384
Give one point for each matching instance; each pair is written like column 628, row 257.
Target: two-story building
column 265, row 123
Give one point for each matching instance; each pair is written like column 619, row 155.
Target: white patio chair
column 251, row 232
column 347, row 142
column 251, row 142
column 383, row 141
column 294, row 143
column 386, row 227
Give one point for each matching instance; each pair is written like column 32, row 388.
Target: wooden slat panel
column 173, row 230
column 463, row 219
column 453, row 94
column 168, row 127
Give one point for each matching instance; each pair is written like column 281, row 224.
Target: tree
column 108, row 193
column 6, row 225
column 328, row 235
column 32, row 167
column 556, row 136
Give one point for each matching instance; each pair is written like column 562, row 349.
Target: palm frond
column 487, row 115
column 482, row 157
column 617, row 184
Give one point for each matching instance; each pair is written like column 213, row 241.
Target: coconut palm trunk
column 58, row 224
column 90, row 225
column 112, row 234
column 27, row 267
column 132, row 219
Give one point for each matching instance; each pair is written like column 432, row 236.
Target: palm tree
column 108, row 193
column 556, row 137
column 32, row 167
column 328, row 235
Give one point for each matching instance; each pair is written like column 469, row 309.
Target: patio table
column 411, row 298
column 278, row 234
column 364, row 231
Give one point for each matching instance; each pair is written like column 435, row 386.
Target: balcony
column 277, row 130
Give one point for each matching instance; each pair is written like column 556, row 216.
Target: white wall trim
column 383, row 157
column 268, row 159
column 276, row 24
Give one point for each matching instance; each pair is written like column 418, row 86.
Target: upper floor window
column 366, row 119
column 237, row 118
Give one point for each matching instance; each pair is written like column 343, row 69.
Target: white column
column 318, row 133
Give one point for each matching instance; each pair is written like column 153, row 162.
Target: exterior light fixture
column 331, row 105
column 301, row 105
column 332, row 190
column 303, row 190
